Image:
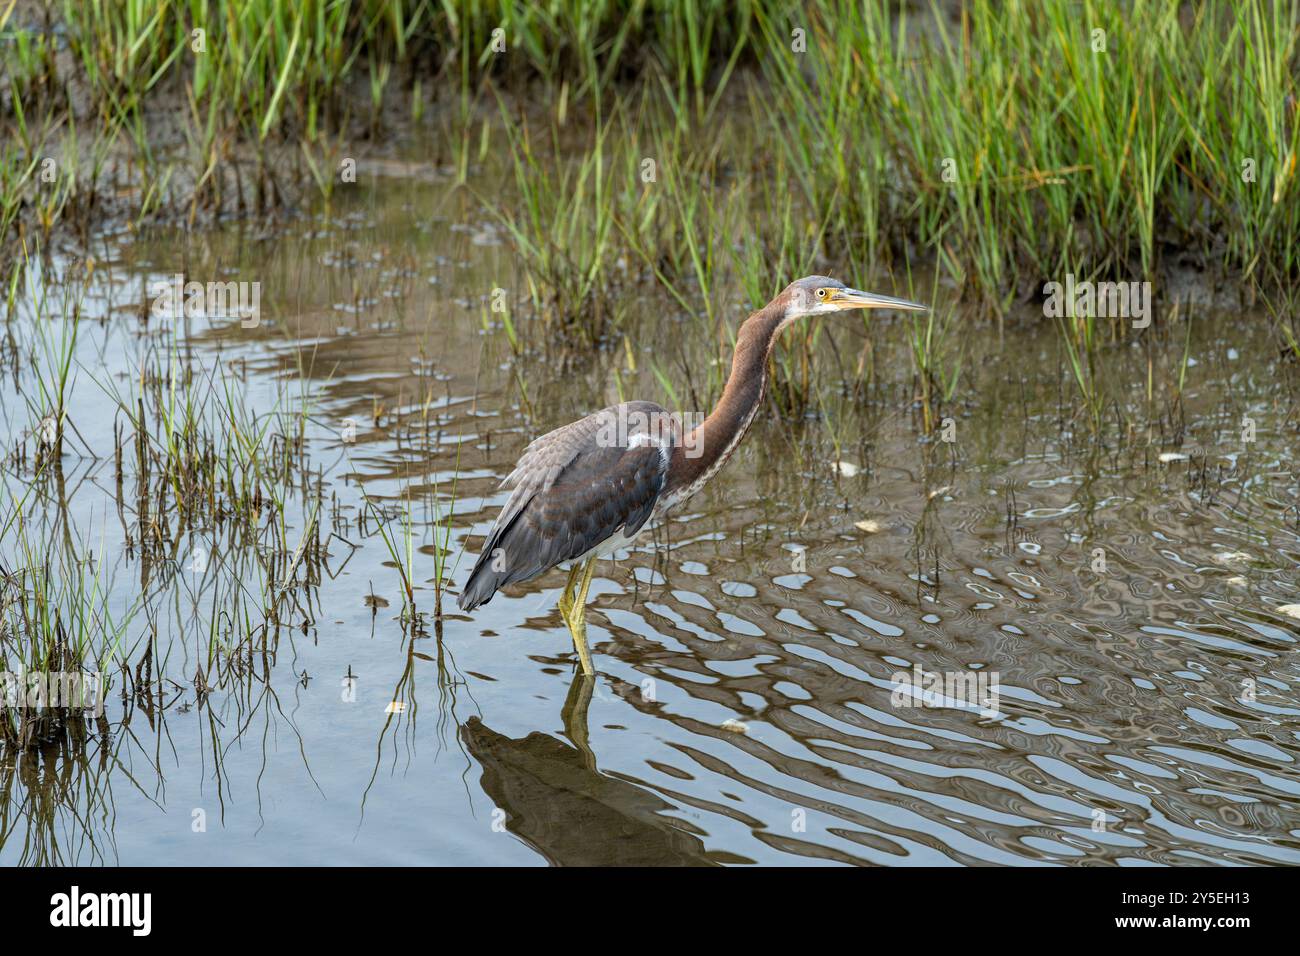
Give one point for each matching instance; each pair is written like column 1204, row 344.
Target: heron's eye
column 821, row 293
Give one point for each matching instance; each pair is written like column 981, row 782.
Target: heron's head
column 817, row 295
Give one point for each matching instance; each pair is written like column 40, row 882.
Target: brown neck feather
column 712, row 441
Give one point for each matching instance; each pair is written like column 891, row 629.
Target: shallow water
column 745, row 708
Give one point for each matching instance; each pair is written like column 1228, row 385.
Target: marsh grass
column 1001, row 142
column 427, row 501
column 1001, row 139
column 400, row 543
column 57, row 615
column 936, row 361
column 562, row 227
column 1079, row 339
column 220, row 516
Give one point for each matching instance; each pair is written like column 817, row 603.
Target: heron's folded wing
column 575, row 488
column 547, row 456
column 602, row 492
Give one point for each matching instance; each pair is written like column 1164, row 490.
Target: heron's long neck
column 711, row 443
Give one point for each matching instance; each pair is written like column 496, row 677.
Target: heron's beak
column 854, row 299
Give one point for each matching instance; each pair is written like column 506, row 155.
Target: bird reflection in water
column 558, row 802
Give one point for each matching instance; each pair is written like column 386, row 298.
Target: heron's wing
column 574, row 488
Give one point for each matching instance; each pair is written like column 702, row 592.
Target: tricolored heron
column 585, row 490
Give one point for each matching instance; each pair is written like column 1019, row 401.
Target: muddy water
column 747, row 710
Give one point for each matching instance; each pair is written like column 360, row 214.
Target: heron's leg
column 566, row 599
column 578, row 625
